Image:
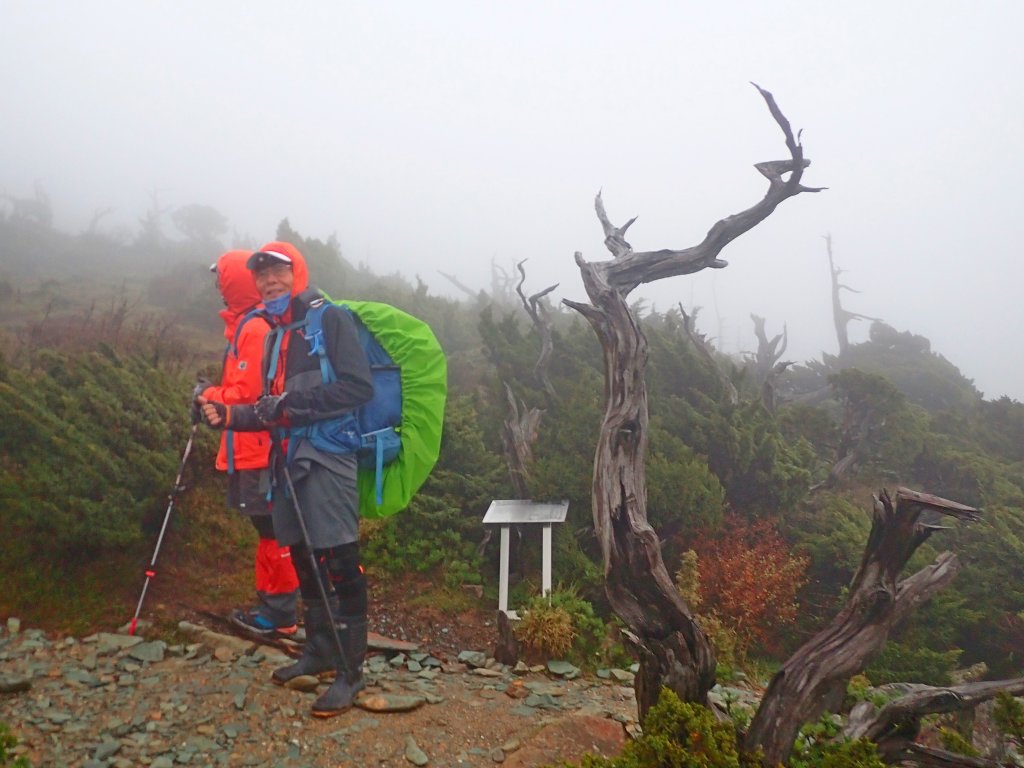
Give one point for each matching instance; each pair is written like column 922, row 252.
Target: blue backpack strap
column 277, row 334
column 232, row 348
column 314, row 336
column 385, row 444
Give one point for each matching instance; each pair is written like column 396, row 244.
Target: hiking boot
column 254, row 622
column 348, row 680
column 319, row 654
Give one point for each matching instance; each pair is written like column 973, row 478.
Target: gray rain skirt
column 327, row 495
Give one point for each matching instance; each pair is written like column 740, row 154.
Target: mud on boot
column 320, row 652
column 349, row 678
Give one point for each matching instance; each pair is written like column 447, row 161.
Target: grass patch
column 447, row 600
column 205, row 562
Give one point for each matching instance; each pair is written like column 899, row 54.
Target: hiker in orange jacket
column 244, row 455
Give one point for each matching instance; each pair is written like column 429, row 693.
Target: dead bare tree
column 766, row 360
column 895, row 726
column 703, row 346
column 538, row 312
column 501, row 286
column 461, row 286
column 151, row 231
column 98, row 215
column 519, row 433
column 672, row 649
column 769, row 352
column 813, row 680
column 501, row 283
column 841, row 317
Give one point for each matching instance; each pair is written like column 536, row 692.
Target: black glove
column 201, row 386
column 270, row 408
column 222, row 414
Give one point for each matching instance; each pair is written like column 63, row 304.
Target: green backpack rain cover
column 424, row 375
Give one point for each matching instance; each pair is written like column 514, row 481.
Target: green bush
column 819, row 745
column 90, row 446
column 846, row 754
column 564, row 625
column 678, row 735
column 899, row 662
column 591, row 631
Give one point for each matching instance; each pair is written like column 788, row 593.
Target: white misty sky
column 437, row 136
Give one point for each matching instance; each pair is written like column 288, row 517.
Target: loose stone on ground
column 115, row 701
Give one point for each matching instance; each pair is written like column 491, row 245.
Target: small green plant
column 860, row 689
column 729, row 648
column 1008, row 715
column 740, row 714
column 589, row 643
column 955, row 742
column 8, row 741
column 820, row 745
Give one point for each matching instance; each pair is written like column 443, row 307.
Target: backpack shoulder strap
column 313, row 333
column 232, row 348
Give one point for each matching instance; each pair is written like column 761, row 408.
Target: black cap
column 262, row 259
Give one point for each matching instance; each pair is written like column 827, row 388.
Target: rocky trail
column 116, row 700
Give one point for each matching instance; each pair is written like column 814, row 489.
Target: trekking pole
column 178, row 487
column 316, row 566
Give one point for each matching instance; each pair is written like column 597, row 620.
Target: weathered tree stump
column 814, row 678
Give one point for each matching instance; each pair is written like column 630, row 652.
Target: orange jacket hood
column 298, row 264
column 236, row 287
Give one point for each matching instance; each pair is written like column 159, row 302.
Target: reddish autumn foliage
column 749, row 578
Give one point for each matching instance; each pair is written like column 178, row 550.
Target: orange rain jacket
column 241, row 380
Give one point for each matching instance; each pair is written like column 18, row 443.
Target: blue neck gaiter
column 278, row 306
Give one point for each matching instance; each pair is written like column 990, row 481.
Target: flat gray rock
column 473, row 658
column 563, row 669
column 413, row 753
column 108, row 642
column 153, row 651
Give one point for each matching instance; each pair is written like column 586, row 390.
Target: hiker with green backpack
column 331, row 458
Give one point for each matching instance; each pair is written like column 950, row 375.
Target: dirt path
column 109, row 700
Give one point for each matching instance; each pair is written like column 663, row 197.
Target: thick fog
column 440, row 136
